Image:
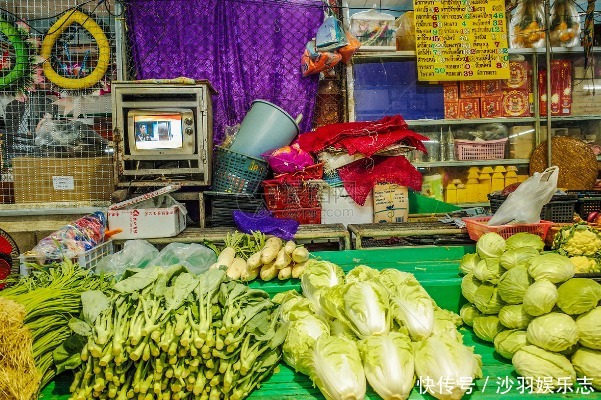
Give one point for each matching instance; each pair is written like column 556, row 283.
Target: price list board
column 461, row 40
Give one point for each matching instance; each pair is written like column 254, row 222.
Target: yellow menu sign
column 461, row 40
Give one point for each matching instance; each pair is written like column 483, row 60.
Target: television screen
column 159, row 131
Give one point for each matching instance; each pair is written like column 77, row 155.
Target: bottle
column 443, row 146
column 329, row 100
column 450, row 146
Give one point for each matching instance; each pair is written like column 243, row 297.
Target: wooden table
column 404, row 229
column 306, row 234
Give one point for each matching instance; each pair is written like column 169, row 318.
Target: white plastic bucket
column 265, row 127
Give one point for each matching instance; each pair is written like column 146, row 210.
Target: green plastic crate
column 437, row 270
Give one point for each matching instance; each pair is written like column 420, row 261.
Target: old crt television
column 157, row 132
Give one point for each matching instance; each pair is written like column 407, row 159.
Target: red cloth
column 366, row 138
column 359, row 177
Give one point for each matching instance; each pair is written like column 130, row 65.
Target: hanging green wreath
column 22, row 55
column 104, row 51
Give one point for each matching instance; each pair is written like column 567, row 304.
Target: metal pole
column 548, row 80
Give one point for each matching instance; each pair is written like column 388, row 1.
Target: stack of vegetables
column 529, row 305
column 248, row 256
column 379, row 326
column 167, row 334
column 582, row 243
column 35, row 314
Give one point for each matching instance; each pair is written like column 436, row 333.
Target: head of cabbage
column 518, row 257
column 487, row 327
column 554, row 332
column 490, row 245
column 513, row 316
column 469, row 285
column 513, row 285
column 540, row 298
column 525, row 240
column 509, row 341
column 551, row 266
column 587, row 363
column 532, row 363
column 488, row 270
column 578, row 295
column 589, row 328
column 487, row 299
column 468, row 313
column 468, row 262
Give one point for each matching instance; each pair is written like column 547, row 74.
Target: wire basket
column 480, row 150
column 87, row 259
column 477, row 226
column 559, row 209
column 236, row 172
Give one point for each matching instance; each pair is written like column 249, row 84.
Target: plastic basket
column 477, row 226
column 480, row 150
column 588, row 201
column 301, row 215
column 87, row 259
column 237, row 173
column 559, row 209
column 279, row 196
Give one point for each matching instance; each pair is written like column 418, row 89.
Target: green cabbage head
column 587, row 363
column 469, row 285
column 509, row 341
column 519, row 257
column 551, row 266
column 540, row 298
column 589, row 327
column 554, row 332
column 487, row 299
column 388, row 364
column 468, row 262
column 489, row 270
column 513, row 285
column 336, row 369
column 299, row 342
column 578, row 295
column 525, row 240
column 487, row 327
column 532, row 362
column 514, row 317
column 490, row 245
column 468, row 312
column 445, row 361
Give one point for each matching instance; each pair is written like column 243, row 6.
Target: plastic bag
column 349, row 50
column 526, row 27
column 565, row 24
column 135, row 254
column 314, row 62
column 405, row 32
column 525, row 204
column 194, row 256
column 330, row 35
column 288, row 159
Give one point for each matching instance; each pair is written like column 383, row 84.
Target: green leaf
column 138, row 281
column 93, row 303
column 80, row 327
column 67, row 356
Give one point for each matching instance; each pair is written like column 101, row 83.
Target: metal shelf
column 513, row 161
column 427, row 122
column 543, row 118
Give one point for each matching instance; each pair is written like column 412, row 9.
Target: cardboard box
column 491, row 107
column 561, row 88
column 450, row 93
column 451, row 110
column 391, row 203
column 338, row 207
column 516, row 103
column 520, row 76
column 521, row 141
column 146, row 223
column 492, row 88
column 47, row 179
column 469, row 108
column 470, row 89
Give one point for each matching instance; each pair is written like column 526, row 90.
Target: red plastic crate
column 281, row 196
column 477, row 226
column 301, row 215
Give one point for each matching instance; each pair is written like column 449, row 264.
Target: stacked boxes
column 491, row 98
column 561, row 88
column 586, row 92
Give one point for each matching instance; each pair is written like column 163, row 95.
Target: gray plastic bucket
column 265, row 127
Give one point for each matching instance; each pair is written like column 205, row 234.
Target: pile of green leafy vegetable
column 43, row 302
column 582, row 243
column 529, row 305
column 373, row 326
column 167, row 334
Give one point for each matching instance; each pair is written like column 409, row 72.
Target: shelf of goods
column 437, row 270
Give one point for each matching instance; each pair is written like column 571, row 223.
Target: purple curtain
column 247, row 49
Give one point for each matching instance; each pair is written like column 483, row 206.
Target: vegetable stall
column 375, row 323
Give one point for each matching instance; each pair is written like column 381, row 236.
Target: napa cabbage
column 299, row 344
column 413, row 308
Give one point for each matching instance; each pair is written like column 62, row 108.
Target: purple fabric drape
column 247, row 49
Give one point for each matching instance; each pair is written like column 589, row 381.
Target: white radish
column 298, row 269
column 270, row 251
column 250, row 274
column 283, row 259
column 285, row 273
column 226, row 257
column 254, row 261
column 300, row 254
column 236, row 268
column 268, row 272
column 289, row 247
